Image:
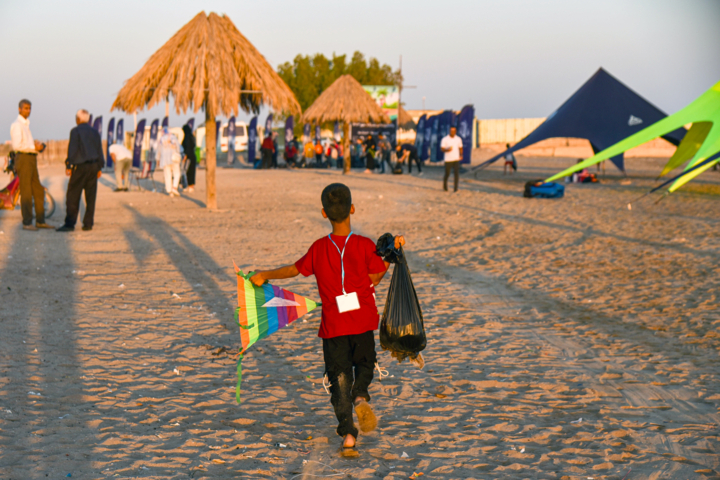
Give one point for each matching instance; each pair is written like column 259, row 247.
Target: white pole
column 135, row 120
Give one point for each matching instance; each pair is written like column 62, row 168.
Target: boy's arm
column 288, row 271
column 376, row 278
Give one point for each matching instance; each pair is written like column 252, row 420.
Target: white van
column 241, row 136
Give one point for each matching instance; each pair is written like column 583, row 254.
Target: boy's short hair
column 336, row 201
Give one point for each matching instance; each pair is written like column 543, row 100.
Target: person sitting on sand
column 347, row 269
column 583, row 176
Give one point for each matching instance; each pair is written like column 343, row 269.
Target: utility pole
column 400, row 89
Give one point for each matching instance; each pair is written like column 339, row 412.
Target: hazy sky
column 510, row 58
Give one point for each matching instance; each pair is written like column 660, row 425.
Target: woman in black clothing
column 370, row 148
column 188, row 145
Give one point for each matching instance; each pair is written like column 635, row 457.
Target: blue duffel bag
column 540, row 189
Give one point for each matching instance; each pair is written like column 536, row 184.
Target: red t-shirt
column 323, row 261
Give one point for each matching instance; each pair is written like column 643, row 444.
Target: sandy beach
column 567, row 339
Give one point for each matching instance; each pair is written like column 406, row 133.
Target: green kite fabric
column 706, row 108
column 262, row 311
column 689, row 146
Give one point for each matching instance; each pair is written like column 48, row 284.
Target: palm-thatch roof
column 208, row 64
column 405, row 121
column 346, row 101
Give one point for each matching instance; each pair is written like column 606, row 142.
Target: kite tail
column 239, row 378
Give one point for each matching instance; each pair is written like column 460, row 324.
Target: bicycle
column 10, row 195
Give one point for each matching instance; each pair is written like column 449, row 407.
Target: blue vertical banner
column 153, row 141
column 306, row 133
column 289, row 129
column 427, row 139
column 137, row 149
column 97, row 125
column 231, row 140
column 336, row 131
column 252, row 140
column 165, row 122
column 217, row 134
column 434, row 140
column 442, row 130
column 317, row 132
column 154, row 132
column 445, row 120
column 420, row 135
column 464, row 130
column 191, row 124
column 110, row 133
column 90, row 121
column 120, row 135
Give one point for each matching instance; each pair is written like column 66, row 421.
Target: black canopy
column 603, row 111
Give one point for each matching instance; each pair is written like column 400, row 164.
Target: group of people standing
column 365, row 152
column 168, row 153
column 84, row 163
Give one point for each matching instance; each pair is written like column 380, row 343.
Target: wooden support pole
column 210, row 159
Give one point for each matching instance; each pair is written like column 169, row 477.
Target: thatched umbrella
column 208, row 64
column 405, row 121
column 345, row 101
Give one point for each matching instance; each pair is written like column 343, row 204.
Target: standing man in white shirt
column 122, row 157
column 25, row 150
column 452, row 145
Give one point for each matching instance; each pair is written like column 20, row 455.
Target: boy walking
column 346, row 269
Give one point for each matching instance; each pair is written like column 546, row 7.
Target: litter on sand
column 579, row 420
column 404, row 455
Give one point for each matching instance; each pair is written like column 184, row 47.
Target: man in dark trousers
column 84, row 165
column 26, row 150
column 407, row 151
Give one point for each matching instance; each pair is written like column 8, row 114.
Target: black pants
column 370, row 161
column 417, row 161
column 455, row 166
column 349, row 364
column 266, row 159
column 84, row 177
column 192, row 166
column 30, row 188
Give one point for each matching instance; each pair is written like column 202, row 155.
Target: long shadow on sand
column 193, row 263
column 42, row 433
column 590, row 231
column 201, row 407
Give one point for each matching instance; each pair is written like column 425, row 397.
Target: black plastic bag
column 385, row 247
column 402, row 330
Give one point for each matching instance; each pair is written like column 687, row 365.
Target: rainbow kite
column 262, row 311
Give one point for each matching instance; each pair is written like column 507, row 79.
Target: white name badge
column 347, row 302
